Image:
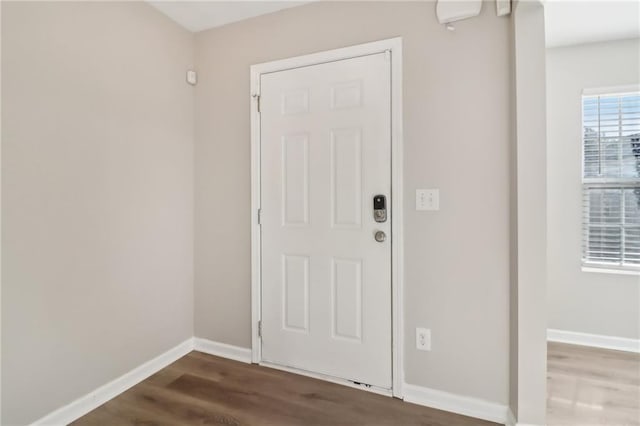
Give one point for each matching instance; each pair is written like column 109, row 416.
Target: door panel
column 346, row 300
column 346, row 178
column 295, row 277
column 295, row 179
column 326, row 282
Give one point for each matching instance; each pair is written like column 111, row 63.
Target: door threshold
column 327, row 378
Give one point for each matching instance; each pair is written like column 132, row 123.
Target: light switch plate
column 427, row 199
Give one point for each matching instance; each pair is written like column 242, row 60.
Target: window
column 611, row 180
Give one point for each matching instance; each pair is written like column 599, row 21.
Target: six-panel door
column 326, row 281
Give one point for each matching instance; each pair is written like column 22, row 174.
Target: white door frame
column 392, row 47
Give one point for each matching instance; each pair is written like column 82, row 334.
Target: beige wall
column 587, row 302
column 97, row 197
column 457, row 102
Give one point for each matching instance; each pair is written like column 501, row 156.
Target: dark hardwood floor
column 201, row 389
column 591, row 386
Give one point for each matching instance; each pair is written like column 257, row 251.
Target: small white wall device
column 449, row 11
column 503, row 7
column 192, row 77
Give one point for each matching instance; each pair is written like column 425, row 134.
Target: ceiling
column 571, row 22
column 201, row 15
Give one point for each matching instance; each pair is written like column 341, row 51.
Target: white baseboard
column 458, row 404
column 594, row 340
column 94, row 399
column 222, row 349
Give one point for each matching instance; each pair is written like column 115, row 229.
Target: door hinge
column 259, row 216
column 387, row 55
column 257, row 98
column 260, row 328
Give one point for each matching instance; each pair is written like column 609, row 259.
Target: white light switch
column 427, row 199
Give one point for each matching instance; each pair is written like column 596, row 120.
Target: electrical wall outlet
column 423, row 339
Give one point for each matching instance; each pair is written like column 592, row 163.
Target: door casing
column 392, row 47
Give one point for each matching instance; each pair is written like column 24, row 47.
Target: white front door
column 325, row 134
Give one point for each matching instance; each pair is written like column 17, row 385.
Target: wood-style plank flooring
column 201, row 389
column 589, row 386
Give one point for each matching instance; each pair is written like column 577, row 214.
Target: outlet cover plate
column 423, row 339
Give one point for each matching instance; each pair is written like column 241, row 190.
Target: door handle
column 380, row 236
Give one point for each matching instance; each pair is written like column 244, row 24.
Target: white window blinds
column 611, row 180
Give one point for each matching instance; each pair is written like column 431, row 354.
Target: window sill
column 608, row 270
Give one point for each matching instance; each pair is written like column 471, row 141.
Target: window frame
column 602, row 183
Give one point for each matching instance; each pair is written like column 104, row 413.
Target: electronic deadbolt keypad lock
column 380, row 208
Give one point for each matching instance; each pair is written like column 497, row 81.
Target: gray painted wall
column 586, row 302
column 97, row 197
column 457, row 101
